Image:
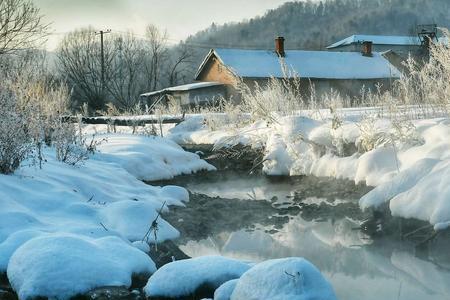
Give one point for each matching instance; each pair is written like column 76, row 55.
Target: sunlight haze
column 180, row 18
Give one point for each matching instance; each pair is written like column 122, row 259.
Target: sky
column 179, row 17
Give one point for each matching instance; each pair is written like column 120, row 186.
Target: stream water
column 255, row 218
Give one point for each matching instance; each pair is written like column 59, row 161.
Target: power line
column 175, row 42
column 101, row 33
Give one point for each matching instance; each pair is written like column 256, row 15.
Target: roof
column 184, row 87
column 396, row 40
column 306, row 64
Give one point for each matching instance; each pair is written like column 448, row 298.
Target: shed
column 187, row 95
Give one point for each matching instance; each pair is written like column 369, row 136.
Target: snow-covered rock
column 134, row 218
column 225, row 290
column 184, row 277
column 283, row 279
column 60, row 266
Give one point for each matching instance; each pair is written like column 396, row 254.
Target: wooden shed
column 188, row 95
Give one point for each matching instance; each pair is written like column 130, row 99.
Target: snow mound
column 174, row 195
column 287, row 278
column 94, row 199
column 66, row 229
column 225, row 290
column 404, row 181
column 150, row 158
column 118, row 215
column 194, row 130
column 428, row 200
column 62, row 266
column 182, row 278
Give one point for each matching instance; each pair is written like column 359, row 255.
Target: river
column 255, row 218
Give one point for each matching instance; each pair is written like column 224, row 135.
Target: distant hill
column 315, row 25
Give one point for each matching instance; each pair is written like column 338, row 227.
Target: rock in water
column 283, row 279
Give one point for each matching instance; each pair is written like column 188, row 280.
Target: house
column 401, row 45
column 188, row 95
column 346, row 72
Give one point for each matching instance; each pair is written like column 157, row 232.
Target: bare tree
column 127, row 71
column 179, row 67
column 80, row 60
column 132, row 66
column 157, row 46
column 21, row 25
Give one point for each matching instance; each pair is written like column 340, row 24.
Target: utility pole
column 102, row 59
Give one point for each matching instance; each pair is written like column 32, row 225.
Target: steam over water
column 255, row 218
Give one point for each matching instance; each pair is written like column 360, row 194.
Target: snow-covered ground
column 405, row 159
column 67, row 229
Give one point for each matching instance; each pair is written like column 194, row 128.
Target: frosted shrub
column 370, row 136
column 66, row 146
column 112, row 110
column 280, row 97
column 223, row 113
column 427, row 85
column 173, row 106
column 15, row 142
column 44, row 103
column 73, row 147
column 404, row 133
column 334, row 102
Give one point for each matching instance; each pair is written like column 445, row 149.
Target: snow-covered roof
column 396, row 40
column 306, row 64
column 184, row 87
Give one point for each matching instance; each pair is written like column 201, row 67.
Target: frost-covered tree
column 15, row 141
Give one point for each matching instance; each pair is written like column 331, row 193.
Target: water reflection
column 240, row 185
column 356, row 269
column 329, row 236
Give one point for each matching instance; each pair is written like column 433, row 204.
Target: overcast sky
column 180, row 17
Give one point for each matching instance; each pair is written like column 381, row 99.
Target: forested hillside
column 317, row 24
column 314, row 25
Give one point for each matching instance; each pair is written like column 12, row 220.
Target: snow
column 405, row 180
column 376, row 166
column 307, row 64
column 182, row 278
column 378, row 40
column 184, row 87
column 287, row 278
column 225, row 290
column 117, row 216
column 66, row 229
column 149, row 158
column 60, row 266
column 195, row 131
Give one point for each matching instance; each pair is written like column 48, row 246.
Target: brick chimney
column 279, row 46
column 366, row 49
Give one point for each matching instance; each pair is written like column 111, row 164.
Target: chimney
column 366, row 49
column 279, row 46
